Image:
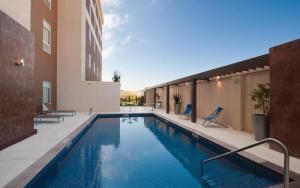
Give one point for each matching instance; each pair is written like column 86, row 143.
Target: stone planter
column 176, row 108
column 260, row 126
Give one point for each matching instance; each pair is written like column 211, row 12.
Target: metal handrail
column 267, row 140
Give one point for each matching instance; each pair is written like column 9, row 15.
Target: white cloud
column 112, row 3
column 107, row 35
column 127, row 39
column 114, row 20
column 108, row 51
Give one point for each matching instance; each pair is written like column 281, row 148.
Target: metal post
column 286, row 179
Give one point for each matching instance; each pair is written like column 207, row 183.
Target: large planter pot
column 176, row 108
column 260, row 126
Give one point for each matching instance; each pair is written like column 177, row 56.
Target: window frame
column 90, row 61
column 49, row 91
column 94, row 67
column 48, row 3
column 47, row 44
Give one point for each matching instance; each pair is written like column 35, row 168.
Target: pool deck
column 233, row 139
column 18, row 157
column 15, row 159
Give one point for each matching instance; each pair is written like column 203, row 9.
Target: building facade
column 60, row 45
column 44, row 28
column 79, row 66
column 42, row 17
column 93, row 40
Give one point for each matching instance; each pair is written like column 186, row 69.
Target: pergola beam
column 253, row 63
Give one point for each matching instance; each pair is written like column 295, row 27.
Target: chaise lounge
column 213, row 117
column 47, row 108
column 40, row 117
column 187, row 111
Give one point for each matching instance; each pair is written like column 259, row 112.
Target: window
column 87, row 4
column 46, row 92
column 90, row 11
column 90, row 35
column 90, row 63
column 94, row 67
column 94, row 45
column 46, row 36
column 48, row 3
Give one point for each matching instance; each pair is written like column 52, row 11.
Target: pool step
column 209, row 182
column 236, row 180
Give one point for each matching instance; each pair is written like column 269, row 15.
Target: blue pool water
column 145, row 152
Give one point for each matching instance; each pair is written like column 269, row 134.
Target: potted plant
column 177, row 100
column 261, row 97
column 157, row 97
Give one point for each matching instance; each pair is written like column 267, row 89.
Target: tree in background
column 116, row 76
column 141, row 101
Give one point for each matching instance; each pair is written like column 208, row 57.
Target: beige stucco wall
column 232, row 94
column 162, row 93
column 102, row 96
column 224, row 93
column 19, row 10
column 149, row 96
column 72, row 91
column 251, row 81
column 184, row 90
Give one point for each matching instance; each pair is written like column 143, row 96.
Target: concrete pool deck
column 15, row 159
column 18, row 157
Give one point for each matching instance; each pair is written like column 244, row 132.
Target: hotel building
column 60, row 43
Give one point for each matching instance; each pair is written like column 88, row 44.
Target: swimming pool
column 147, row 151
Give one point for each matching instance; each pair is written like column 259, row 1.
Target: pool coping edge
column 26, row 176
column 295, row 176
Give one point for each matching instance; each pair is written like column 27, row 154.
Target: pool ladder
column 267, row 140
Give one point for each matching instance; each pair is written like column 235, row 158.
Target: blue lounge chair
column 187, row 111
column 213, row 117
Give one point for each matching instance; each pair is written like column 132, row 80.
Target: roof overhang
column 249, row 64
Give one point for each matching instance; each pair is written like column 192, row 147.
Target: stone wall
column 285, row 95
column 16, row 83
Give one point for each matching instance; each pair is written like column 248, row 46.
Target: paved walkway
column 16, row 158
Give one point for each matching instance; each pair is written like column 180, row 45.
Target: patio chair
column 49, row 109
column 213, row 117
column 187, row 111
column 41, row 116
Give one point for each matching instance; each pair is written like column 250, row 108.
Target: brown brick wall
column 16, row 83
column 285, row 95
column 45, row 64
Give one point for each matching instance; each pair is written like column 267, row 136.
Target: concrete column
column 194, row 100
column 168, row 100
column 154, row 97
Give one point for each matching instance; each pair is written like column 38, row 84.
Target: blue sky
column 154, row 41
